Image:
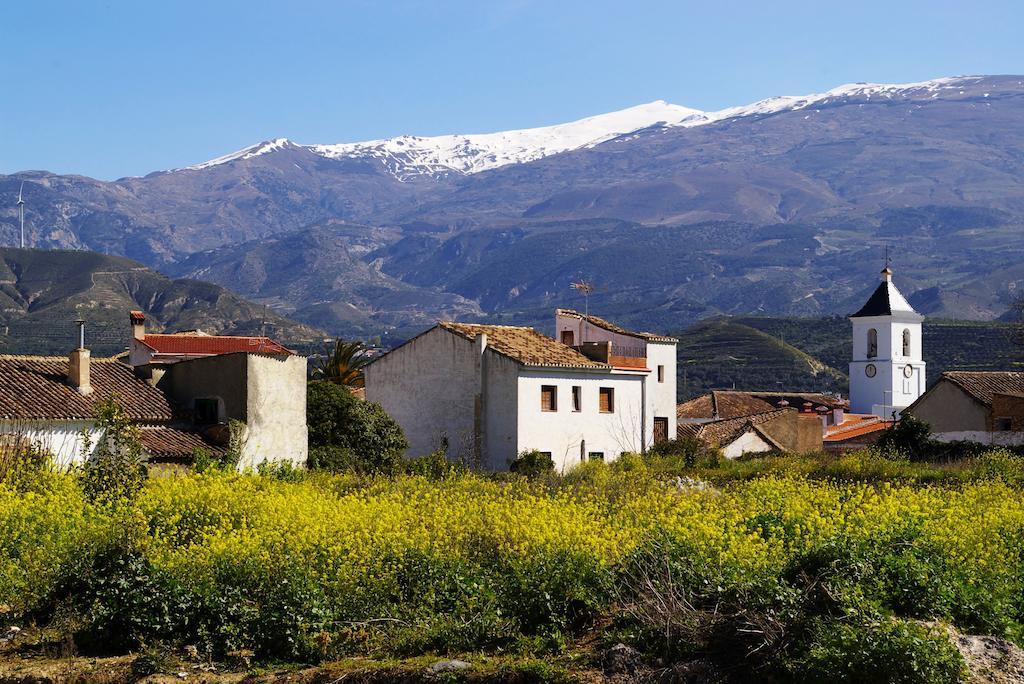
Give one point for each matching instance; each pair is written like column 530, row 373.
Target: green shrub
column 532, row 463
column 434, row 466
column 910, row 438
column 683, row 452
column 891, row 651
column 346, row 433
column 999, row 464
column 114, row 471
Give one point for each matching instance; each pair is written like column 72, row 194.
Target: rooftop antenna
column 21, row 213
column 586, row 288
column 888, row 261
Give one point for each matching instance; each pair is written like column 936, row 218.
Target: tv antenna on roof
column 586, row 288
column 21, row 213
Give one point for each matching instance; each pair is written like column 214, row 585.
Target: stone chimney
column 78, row 364
column 138, row 323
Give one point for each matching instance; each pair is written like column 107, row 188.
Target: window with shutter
column 548, row 398
column 607, row 400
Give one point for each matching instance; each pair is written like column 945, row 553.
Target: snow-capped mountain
column 407, row 156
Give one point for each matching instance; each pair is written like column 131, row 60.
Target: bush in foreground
column 346, row 433
column 323, row 565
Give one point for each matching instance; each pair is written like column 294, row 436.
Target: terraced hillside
column 43, row 292
column 811, row 354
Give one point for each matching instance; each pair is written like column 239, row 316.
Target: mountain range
column 782, row 207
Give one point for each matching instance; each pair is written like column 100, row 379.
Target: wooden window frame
column 577, row 399
column 610, row 393
column 571, row 335
column 545, row 390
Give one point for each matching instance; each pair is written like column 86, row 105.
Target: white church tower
column 887, row 370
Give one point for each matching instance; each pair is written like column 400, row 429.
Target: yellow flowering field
column 330, row 565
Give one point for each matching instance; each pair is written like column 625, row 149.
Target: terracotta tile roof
column 983, row 384
column 208, row 345
column 855, row 425
column 36, row 388
column 723, row 432
column 170, row 443
column 611, row 327
column 525, row 345
column 723, row 404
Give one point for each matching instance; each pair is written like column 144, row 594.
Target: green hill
column 722, row 353
column 754, row 352
column 42, row 293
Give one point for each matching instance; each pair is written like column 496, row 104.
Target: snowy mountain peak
column 409, row 156
column 412, row 155
column 245, row 153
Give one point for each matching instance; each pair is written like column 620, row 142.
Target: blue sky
column 114, row 88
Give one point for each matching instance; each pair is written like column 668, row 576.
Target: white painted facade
column 450, row 392
column 571, row 436
column 747, row 443
column 887, row 372
column 65, row 440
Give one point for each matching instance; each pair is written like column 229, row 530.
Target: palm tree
column 343, row 364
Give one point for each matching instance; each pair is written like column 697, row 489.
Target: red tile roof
column 36, row 388
column 168, row 443
column 982, row 385
column 209, row 345
column 724, row 432
column 855, row 425
column 722, row 404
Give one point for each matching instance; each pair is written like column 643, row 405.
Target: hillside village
column 483, row 395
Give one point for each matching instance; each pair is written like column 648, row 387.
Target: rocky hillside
column 43, row 292
column 779, row 207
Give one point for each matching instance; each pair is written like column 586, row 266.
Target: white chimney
column 138, row 323
column 78, row 363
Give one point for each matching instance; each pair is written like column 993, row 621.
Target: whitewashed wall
column 63, row 439
column 661, row 395
column 564, row 431
column 748, row 443
column 275, row 427
column 429, row 386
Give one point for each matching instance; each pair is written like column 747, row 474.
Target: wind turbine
column 21, row 213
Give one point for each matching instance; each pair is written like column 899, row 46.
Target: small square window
column 1004, row 424
column 577, row 398
column 548, row 398
column 607, row 400
column 568, row 338
column 596, row 455
column 661, row 374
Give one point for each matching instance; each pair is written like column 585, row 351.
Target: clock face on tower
column 908, row 371
column 870, row 370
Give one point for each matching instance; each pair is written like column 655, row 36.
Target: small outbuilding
column 974, row 406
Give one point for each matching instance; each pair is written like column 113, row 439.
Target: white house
column 887, row 372
column 179, row 406
column 485, row 393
